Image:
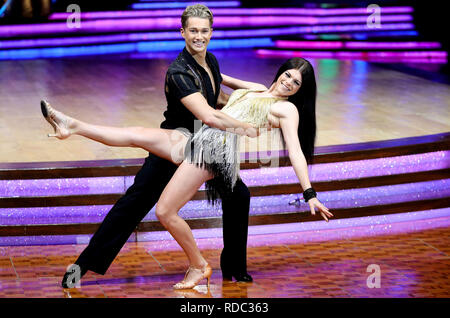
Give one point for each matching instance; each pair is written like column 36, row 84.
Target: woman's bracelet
column 309, row 194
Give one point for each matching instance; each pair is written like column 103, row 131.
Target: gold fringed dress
column 218, row 151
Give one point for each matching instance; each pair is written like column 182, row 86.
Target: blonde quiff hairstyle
column 196, row 11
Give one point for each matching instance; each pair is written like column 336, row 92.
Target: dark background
column 429, row 17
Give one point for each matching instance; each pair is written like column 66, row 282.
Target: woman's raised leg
column 164, row 143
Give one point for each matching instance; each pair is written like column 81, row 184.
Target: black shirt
column 185, row 77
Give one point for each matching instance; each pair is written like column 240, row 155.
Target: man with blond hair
column 192, row 89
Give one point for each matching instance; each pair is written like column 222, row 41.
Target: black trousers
column 133, row 206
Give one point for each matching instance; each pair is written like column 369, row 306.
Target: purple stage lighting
column 174, row 4
column 252, row 177
column 229, row 11
column 172, row 35
column 408, row 56
column 114, row 25
column 269, row 235
column 266, row 205
column 355, row 45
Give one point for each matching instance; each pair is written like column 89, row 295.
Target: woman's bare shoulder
column 284, row 108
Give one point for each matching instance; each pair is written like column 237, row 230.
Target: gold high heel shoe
column 194, row 276
column 193, row 293
column 60, row 122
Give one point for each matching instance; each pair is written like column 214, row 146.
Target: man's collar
column 190, row 59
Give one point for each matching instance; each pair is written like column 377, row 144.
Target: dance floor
column 415, row 264
column 357, row 101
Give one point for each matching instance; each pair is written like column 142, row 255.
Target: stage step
column 356, row 202
column 415, row 176
column 252, row 160
column 51, row 197
column 216, row 222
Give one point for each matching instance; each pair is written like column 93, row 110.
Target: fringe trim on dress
column 218, row 152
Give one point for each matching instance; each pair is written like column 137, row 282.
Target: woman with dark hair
column 211, row 155
column 305, row 102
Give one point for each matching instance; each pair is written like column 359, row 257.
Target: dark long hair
column 305, row 101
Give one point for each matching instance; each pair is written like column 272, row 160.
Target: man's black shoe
column 73, row 276
column 240, row 277
column 229, row 271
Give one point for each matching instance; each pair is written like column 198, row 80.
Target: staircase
column 59, row 202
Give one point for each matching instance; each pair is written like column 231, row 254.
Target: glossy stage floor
column 359, row 103
column 411, row 265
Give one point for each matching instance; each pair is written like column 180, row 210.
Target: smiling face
column 288, row 83
column 197, row 35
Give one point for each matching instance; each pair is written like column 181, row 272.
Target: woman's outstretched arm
column 289, row 119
